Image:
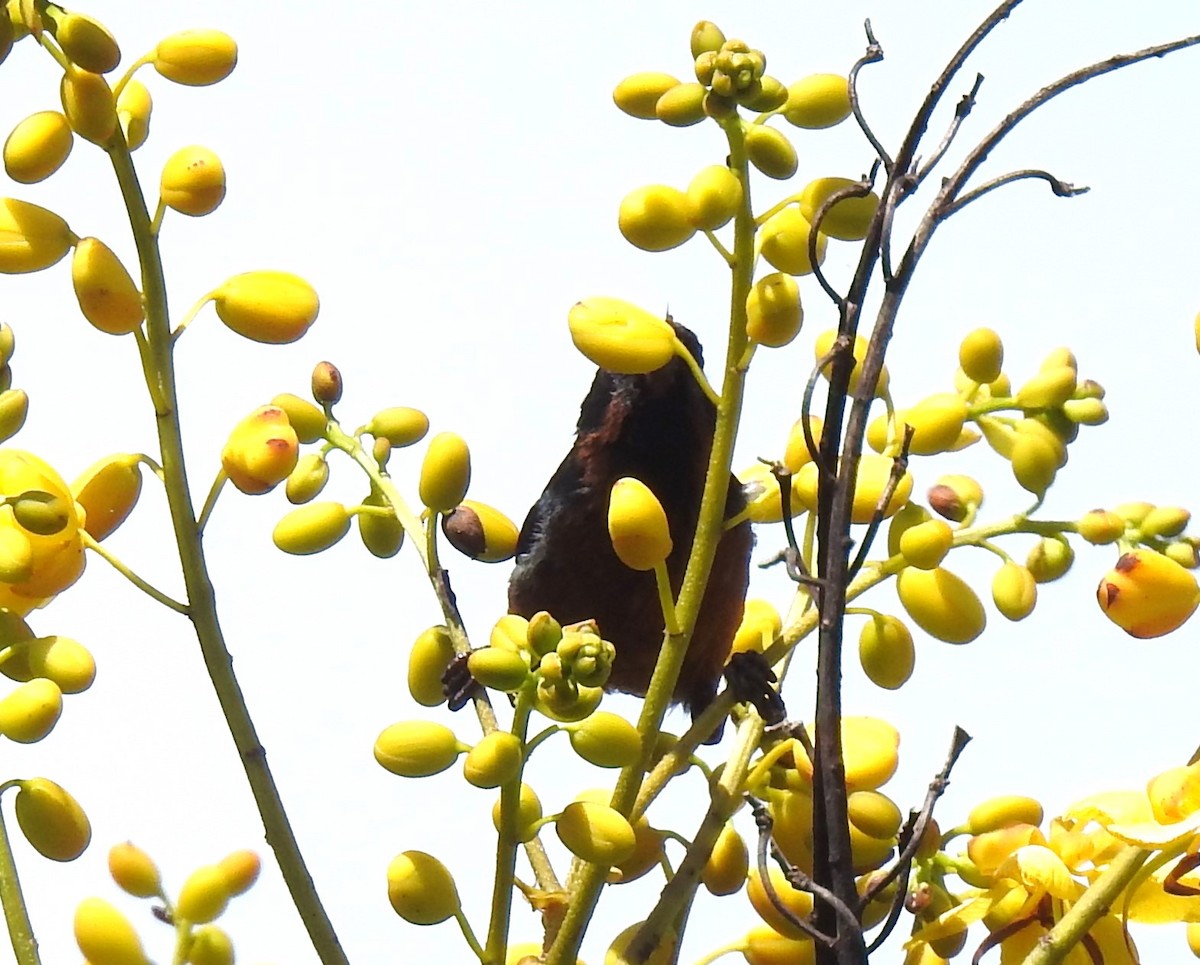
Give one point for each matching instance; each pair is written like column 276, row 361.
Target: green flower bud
column 886, row 652
column 421, row 889
column 1050, row 559
column 417, row 748
column 655, row 218
column 41, row 513
column 210, row 946
column 638, row 93
column 1086, row 412
column 306, row 481
column 509, row 633
column 606, row 740
column 312, row 528
column 1183, row 552
column 874, row 814
column 981, row 355
column 769, row 95
column 428, row 662
column 682, row 105
column 445, row 472
column 595, row 833
column 51, row 820
column 495, row 760
column 818, row 101
column 1014, row 591
column 400, row 425
column 498, row 669
column 565, row 702
column 543, row 633
column 771, row 152
column 706, row 37
column 941, row 604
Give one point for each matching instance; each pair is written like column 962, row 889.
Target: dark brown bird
column 657, row 428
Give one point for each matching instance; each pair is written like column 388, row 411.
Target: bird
column 658, row 428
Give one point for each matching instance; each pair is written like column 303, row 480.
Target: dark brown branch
column 766, row 844
column 899, row 467
column 961, row 112
column 873, row 55
column 1061, row 188
column 860, row 189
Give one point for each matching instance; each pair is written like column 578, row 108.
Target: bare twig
column 899, row 467
column 860, row 189
column 1061, row 188
column 961, row 112
column 766, row 845
column 873, row 55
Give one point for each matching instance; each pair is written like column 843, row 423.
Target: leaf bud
column 886, row 652
column 1165, row 521
column 480, row 532
column 134, row 871
column 275, row 307
column 52, row 820
column 1050, row 559
column 38, row 146
column 529, row 812
column 31, row 238
column 104, row 935
column 620, row 337
column 86, row 42
column 818, row 101
column 88, row 102
column 29, row 713
column 108, row 491
column 638, row 93
column 637, row 525
column 655, row 218
column 981, row 355
column 714, row 194
column 773, row 311
column 261, row 452
column 445, row 472
column 428, row 661
column 308, row 421
column 306, row 481
column 595, row 833
column 498, row 669
column 941, row 604
column 196, row 58
column 606, row 740
column 848, row 219
column 706, row 37
column 421, row 889
column 106, row 293
column 1014, row 591
column 134, row 105
column 771, row 152
column 204, row 895
column 312, row 528
column 1004, row 812
column 495, row 760
column 682, row 105
column 1146, row 594
column 417, row 748
column 193, row 181
column 400, row 425
column 381, row 533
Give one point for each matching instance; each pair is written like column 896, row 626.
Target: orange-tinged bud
column 728, row 865
column 51, row 820
column 620, row 337
column 606, row 740
column 421, row 889
column 29, row 713
column 105, row 936
column 1147, row 594
column 262, row 451
column 714, row 196
column 88, row 103
column 480, row 532
column 941, row 604
column 275, row 307
column 193, row 181
column 595, row 833
column 241, row 869
column 849, row 218
column 799, row 903
column 818, row 101
column 886, row 652
column 638, row 93
column 196, row 58
column 773, row 311
column 87, row 42
column 824, row 344
column 428, row 661
column 204, row 895
column 445, row 472
column 495, row 760
column 1014, row 591
column 134, row 105
column 871, row 747
column 134, row 871
column 785, row 242
column 655, row 218
column 417, row 748
column 106, row 293
column 1003, row 812
column 108, row 491
column 772, row 153
column 312, row 528
column 38, row 146
column 529, row 812
column 31, row 238
column 1175, row 794
column 637, row 525
column 981, row 355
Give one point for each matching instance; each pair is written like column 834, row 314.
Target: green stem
column 20, row 931
column 159, row 368
column 131, row 576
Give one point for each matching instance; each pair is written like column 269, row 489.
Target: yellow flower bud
column 133, row 113
column 1034, row 463
column 886, row 652
column 88, row 102
column 262, row 451
column 595, row 833
column 204, row 895
column 65, row 662
column 14, row 407
column 637, row 525
column 498, row 669
column 785, row 242
column 955, row 497
column 196, row 58
column 760, row 625
column 706, row 36
column 606, row 740
column 306, row 481
column 308, row 421
column 1014, row 591
column 874, row 473
column 210, row 946
column 30, row 712
column 193, row 181
column 874, row 814
column 620, row 337
column 1049, row 389
column 421, row 889
column 848, row 219
column 312, row 528
column 1003, row 812
column 134, row 871
column 714, row 196
column 871, row 749
column 1146, row 594
column 941, row 604
column 1174, row 794
column 495, row 760
column 647, row 852
column 771, row 95
column 797, row 453
column 106, row 294
column 655, row 218
column 37, row 147
column 937, row 422
column 480, row 532
column 400, row 425
column 868, row 853
column 105, row 936
column 16, row 555
column 817, row 101
column 682, row 105
column 799, row 903
column 428, row 661
column 51, row 820
column 108, row 491
column 240, row 869
column 638, row 93
column 724, row 873
column 31, row 238
column 529, row 812
column 1049, row 559
column 87, row 42
column 445, row 472
column 771, row 152
column 926, row 544
column 1085, row 412
column 662, row 953
column 542, row 633
column 1165, row 521
column 275, row 307
column 381, row 534
column 566, row 703
column 773, row 311
column 981, row 355
column 825, row 342
column 417, row 748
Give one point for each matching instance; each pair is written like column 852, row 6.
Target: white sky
column 447, row 176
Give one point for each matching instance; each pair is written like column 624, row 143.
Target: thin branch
column 961, row 112
column 860, row 189
column 766, row 845
column 1061, row 189
column 873, row 55
column 899, row 468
